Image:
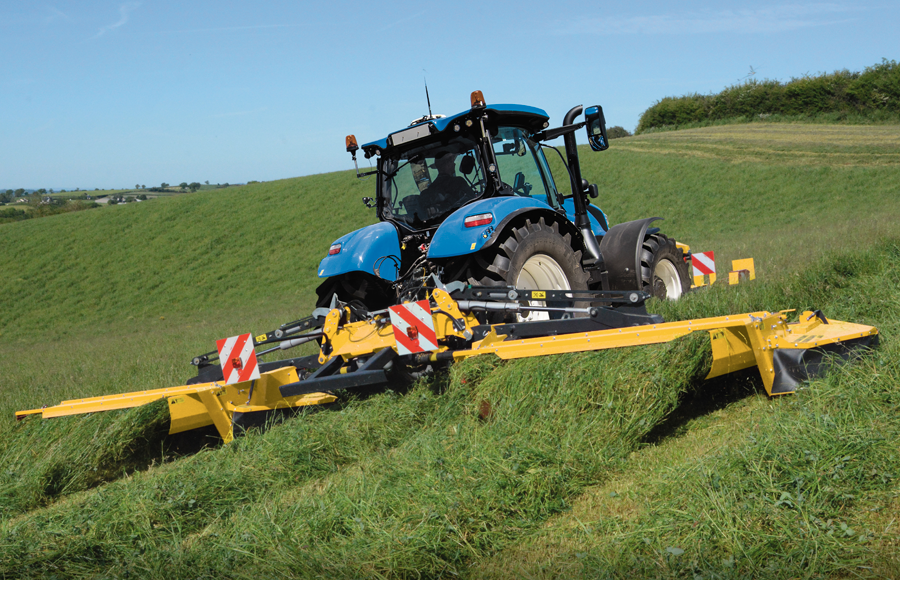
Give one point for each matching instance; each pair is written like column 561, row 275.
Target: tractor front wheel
column 664, row 272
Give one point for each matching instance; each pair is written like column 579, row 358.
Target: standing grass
column 459, row 478
column 250, row 247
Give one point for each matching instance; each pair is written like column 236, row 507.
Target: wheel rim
column 666, row 282
column 541, row 272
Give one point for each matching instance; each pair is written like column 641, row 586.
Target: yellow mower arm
column 196, row 406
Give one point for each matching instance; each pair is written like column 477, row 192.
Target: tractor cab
column 470, row 199
column 421, row 186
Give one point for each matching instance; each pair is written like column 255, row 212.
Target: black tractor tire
column 664, row 272
column 361, row 289
column 533, row 256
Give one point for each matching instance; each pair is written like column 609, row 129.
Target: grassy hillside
column 616, row 464
column 249, row 248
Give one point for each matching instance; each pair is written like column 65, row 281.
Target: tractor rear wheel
column 534, row 256
column 664, row 272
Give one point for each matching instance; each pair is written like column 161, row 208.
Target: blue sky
column 116, row 93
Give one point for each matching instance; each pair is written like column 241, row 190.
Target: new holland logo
column 237, row 358
column 413, row 327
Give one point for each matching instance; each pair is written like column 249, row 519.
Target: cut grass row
column 798, row 487
column 417, row 485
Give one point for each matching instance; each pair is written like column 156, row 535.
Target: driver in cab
column 447, row 190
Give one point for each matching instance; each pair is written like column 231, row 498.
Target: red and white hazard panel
column 237, row 358
column 704, row 263
column 413, row 327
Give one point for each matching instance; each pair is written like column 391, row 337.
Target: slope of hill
column 617, row 464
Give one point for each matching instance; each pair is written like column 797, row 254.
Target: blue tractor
column 470, row 200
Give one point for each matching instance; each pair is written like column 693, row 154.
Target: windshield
column 425, row 184
column 522, row 165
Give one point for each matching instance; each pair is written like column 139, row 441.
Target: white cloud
column 124, row 13
column 232, row 28
column 400, row 21
column 764, row 20
column 55, row 14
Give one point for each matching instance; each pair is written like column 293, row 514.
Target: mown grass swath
column 621, row 463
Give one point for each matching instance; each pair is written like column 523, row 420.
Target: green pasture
column 615, row 464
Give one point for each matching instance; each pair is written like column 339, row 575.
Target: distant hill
column 870, row 95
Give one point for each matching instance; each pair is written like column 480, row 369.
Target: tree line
column 873, row 93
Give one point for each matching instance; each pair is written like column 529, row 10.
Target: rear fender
column 452, row 238
column 368, row 250
column 621, row 250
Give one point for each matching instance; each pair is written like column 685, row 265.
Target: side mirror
column 467, row 165
column 595, row 124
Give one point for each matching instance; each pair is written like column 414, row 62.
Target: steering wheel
column 410, row 203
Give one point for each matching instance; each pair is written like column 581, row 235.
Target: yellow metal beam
column 738, row 342
column 602, row 339
column 199, row 405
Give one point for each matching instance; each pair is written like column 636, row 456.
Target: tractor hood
column 374, row 249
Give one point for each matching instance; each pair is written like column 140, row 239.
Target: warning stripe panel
column 406, row 322
column 226, row 348
column 412, row 314
column 242, row 347
column 413, row 319
column 704, row 263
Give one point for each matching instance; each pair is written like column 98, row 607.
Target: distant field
column 783, row 194
column 617, row 464
column 793, row 144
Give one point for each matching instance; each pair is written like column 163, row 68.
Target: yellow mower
column 365, row 349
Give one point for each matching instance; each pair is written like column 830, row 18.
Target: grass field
column 619, row 464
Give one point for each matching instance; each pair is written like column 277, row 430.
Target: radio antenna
column 427, row 98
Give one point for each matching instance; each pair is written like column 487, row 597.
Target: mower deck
column 362, row 354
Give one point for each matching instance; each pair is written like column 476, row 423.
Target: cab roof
column 529, row 118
